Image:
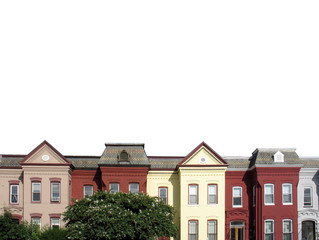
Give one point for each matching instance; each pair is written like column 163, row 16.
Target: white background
column 236, row 74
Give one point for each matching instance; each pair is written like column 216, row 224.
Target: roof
column 237, row 162
column 167, row 163
column 310, row 162
column 11, row 160
column 265, row 156
column 85, row 162
column 136, row 152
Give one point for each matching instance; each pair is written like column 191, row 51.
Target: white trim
column 288, row 203
column 273, row 194
column 241, row 197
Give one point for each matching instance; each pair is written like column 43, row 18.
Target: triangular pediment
column 203, row 155
column 44, row 154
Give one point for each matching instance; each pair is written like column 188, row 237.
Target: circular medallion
column 45, row 158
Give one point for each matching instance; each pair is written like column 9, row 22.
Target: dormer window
column 124, row 156
column 279, row 157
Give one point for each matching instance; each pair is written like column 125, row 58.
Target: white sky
column 171, row 74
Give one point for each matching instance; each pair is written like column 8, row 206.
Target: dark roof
column 84, row 162
column 237, row 162
column 11, row 160
column 310, row 162
column 137, row 155
column 168, row 163
column 265, row 156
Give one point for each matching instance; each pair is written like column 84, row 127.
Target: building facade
column 272, row 194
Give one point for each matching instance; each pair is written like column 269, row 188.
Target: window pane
column 286, row 189
column 88, row 191
column 269, row 227
column 114, row 187
column 55, row 192
column 269, row 189
column 212, row 189
column 36, row 190
column 193, row 190
column 163, row 194
column 307, row 197
column 134, row 187
column 237, row 192
column 14, row 195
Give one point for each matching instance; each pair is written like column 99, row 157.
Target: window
column 55, row 192
column 134, row 188
column 36, row 191
column 115, row 187
column 193, row 230
column 287, row 229
column 124, row 156
column 237, row 197
column 212, row 194
column 36, row 221
column 88, row 190
column 254, row 195
column 269, row 229
column 212, row 230
column 14, row 194
column 269, row 194
column 307, row 197
column 287, row 193
column 162, row 194
column 193, row 194
column 55, row 223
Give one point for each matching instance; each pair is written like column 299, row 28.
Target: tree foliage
column 120, row 216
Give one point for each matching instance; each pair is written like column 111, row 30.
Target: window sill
column 287, row 204
column 269, row 204
column 237, row 206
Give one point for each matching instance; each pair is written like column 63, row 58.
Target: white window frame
column 165, row 198
column 193, row 234
column 241, row 196
column 192, row 194
column 283, row 228
column 11, row 194
column 311, row 203
column 55, row 224
column 212, row 194
column 85, row 190
column 138, row 187
column 33, row 191
column 36, row 222
column 114, row 190
column 273, row 193
column 272, row 230
column 212, row 235
column 283, row 194
column 56, row 198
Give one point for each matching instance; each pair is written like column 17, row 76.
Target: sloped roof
column 137, row 155
column 265, row 156
column 310, row 162
column 237, row 162
column 11, row 160
column 84, row 162
column 168, row 163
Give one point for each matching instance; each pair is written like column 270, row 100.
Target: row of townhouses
column 272, row 194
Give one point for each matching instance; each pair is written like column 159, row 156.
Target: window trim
column 216, row 225
column 34, row 182
column 311, row 200
column 87, row 185
column 288, row 203
column 273, row 227
column 55, row 216
column 118, row 186
column 138, row 189
column 10, row 194
column 241, row 197
column 193, row 220
column 291, row 230
column 159, row 195
column 216, row 189
column 273, row 194
column 197, row 197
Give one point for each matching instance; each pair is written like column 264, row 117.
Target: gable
column 44, row 154
column 203, row 155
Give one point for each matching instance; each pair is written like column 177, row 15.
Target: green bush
column 53, row 234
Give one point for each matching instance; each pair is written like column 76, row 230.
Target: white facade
column 308, row 215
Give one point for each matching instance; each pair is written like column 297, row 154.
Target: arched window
column 124, row 156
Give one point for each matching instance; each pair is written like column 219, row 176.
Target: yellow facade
column 201, row 168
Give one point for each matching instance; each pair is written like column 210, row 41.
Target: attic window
column 279, row 157
column 124, row 156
